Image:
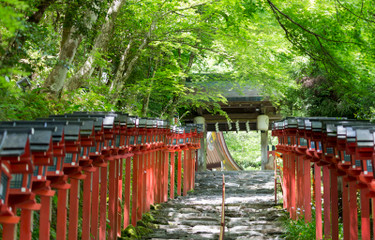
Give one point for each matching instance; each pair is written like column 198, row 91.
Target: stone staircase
column 249, row 213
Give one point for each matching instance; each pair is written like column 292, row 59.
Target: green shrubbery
column 30, row 104
column 244, row 148
column 17, row 104
column 298, row 229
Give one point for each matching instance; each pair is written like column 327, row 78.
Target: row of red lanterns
column 55, row 154
column 335, row 147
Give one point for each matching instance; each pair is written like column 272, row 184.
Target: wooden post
column 171, row 193
column 334, row 205
column 286, row 167
column 73, row 209
column 86, row 206
column 158, row 177
column 166, row 177
column 365, row 214
column 127, row 192
column 263, row 148
column 103, row 203
column 119, row 186
column 140, row 187
column 25, row 224
column 307, row 188
column 185, row 185
column 293, row 209
column 44, row 218
column 318, row 202
column 95, row 205
column 353, row 210
column 345, row 207
column 147, row 187
column 179, row 166
column 112, row 200
column 135, row 190
column 61, row 214
column 327, row 202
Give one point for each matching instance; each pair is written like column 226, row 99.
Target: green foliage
column 244, row 148
column 298, row 229
column 143, row 227
column 16, row 104
column 335, row 41
column 312, row 58
column 93, row 99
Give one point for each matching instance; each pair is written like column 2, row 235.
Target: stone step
column 249, row 211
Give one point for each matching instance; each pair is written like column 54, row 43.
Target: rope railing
column 317, row 153
column 118, row 165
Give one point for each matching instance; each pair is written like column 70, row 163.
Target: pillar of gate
column 262, row 125
column 202, row 152
column 263, row 148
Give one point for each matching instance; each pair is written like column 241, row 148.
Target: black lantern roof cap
column 107, row 119
column 142, row 122
column 13, row 141
column 119, row 117
column 39, row 136
column 72, row 131
column 365, row 137
column 331, row 129
column 152, row 123
column 132, row 121
column 301, row 123
column 290, row 123
column 98, row 121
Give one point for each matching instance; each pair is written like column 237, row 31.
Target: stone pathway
column 249, row 213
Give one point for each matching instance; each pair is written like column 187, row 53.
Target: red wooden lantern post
column 126, row 151
column 331, row 156
column 141, row 163
column 165, row 161
column 277, row 131
column 42, row 152
column 173, row 146
column 364, row 153
column 351, row 179
column 124, row 157
column 67, row 167
column 154, row 147
column 304, row 161
column 290, row 130
column 15, row 154
column 191, row 134
column 132, row 131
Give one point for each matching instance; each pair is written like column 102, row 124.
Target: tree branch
column 303, row 28
column 350, row 11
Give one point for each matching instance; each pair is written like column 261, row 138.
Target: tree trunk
column 121, row 78
column 55, row 80
column 69, row 44
column 100, row 44
column 146, row 100
column 41, row 8
column 122, row 66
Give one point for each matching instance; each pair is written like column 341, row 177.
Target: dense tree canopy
column 310, row 57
